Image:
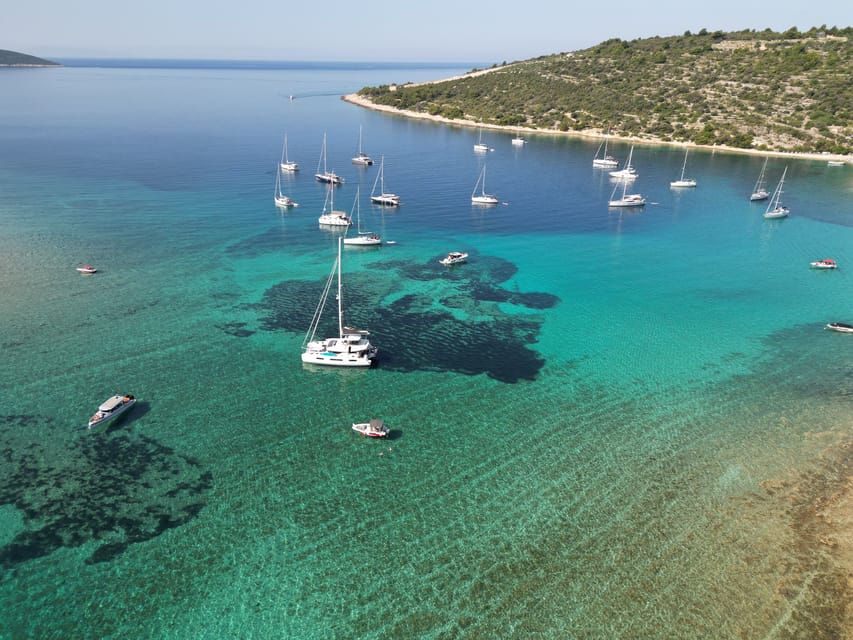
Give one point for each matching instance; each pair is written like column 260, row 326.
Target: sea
column 608, row 423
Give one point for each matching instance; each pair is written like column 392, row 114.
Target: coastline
column 361, row 101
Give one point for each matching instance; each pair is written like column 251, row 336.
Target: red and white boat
column 826, row 263
column 87, row 268
column 375, row 428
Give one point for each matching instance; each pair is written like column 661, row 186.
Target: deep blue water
column 586, row 416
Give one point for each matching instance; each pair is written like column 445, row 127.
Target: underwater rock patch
column 118, row 486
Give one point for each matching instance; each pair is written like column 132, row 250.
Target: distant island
column 746, row 90
column 15, row 59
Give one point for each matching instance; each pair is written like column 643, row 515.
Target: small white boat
column 87, row 269
column 480, row 147
column 329, row 217
column 826, row 263
column 383, row 198
column 364, row 238
column 759, row 191
column 682, row 181
column 626, row 199
column 329, row 177
column 776, row 209
column 454, row 257
column 361, row 157
column 841, row 327
column 482, row 197
column 518, row 140
column 601, row 158
column 627, row 172
column 375, row 428
column 111, row 408
column 287, row 165
column 835, row 163
column 281, row 201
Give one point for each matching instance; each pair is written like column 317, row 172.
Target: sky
column 370, row 31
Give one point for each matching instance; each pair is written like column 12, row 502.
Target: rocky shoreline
column 361, row 101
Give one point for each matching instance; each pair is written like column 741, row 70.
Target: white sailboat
column 759, row 191
column 364, row 238
column 682, row 181
column 329, row 177
column 518, row 140
column 601, row 159
column 383, row 198
column 361, row 157
column 482, row 197
column 627, row 172
column 350, row 348
column 481, row 147
column 330, row 217
column 286, row 164
column 775, row 209
column 627, row 199
column 282, row 201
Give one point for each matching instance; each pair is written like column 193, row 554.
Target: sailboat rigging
column 350, row 348
column 775, row 209
column 759, row 191
column 682, row 181
column 482, row 197
column 604, row 160
column 363, row 238
column 286, row 164
column 329, row 177
column 361, row 157
column 385, row 199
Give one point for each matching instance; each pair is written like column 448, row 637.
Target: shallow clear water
column 600, row 422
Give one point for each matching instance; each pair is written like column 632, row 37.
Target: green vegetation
column 15, row 59
column 765, row 90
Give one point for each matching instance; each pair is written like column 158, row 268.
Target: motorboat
column 826, row 263
column 454, row 257
column 87, row 268
column 111, row 409
column 374, row 429
column 843, row 327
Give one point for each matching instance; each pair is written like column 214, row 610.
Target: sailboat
column 385, row 199
column 350, row 348
column 329, row 177
column 483, row 197
column 287, row 165
column 604, row 160
column 282, row 201
column 361, row 157
column 682, row 181
column 364, row 238
column 481, row 147
column 759, row 191
column 518, row 140
column 627, row 199
column 330, row 217
column 775, row 209
column 627, row 172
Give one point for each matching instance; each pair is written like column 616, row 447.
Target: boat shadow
column 131, row 415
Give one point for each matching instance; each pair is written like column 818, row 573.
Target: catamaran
column 350, row 348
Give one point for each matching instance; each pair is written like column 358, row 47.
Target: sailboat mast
column 340, row 302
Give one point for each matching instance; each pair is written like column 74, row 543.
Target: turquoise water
column 605, row 425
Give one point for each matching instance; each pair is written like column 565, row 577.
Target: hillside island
column 762, row 92
column 15, row 59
